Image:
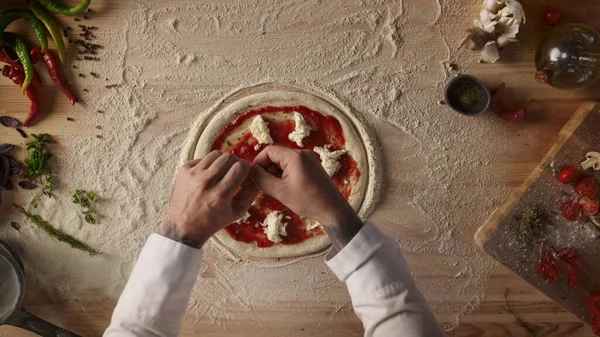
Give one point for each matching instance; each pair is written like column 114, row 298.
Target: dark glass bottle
column 569, row 58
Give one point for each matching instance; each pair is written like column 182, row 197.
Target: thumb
column 265, row 181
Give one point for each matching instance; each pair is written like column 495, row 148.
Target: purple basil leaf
column 27, row 185
column 4, row 171
column 7, row 185
column 5, row 148
column 15, row 168
column 9, row 122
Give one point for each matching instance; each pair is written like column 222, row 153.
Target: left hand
column 209, row 194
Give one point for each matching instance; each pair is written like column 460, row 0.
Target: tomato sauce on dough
column 326, row 130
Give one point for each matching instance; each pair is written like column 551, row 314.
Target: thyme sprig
column 55, row 233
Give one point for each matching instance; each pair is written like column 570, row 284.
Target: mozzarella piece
column 313, row 225
column 260, row 130
column 243, row 219
column 274, row 226
column 329, row 159
column 302, row 130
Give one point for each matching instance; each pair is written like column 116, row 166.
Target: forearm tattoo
column 170, row 230
column 341, row 234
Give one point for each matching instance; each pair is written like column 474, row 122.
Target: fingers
column 221, row 166
column 266, row 182
column 191, row 163
column 277, row 155
column 235, row 176
column 208, row 160
column 244, row 198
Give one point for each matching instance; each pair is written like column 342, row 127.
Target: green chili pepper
column 11, row 15
column 55, row 7
column 52, row 27
column 17, row 43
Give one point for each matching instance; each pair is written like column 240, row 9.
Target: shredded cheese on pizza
column 302, row 130
column 313, row 225
column 330, row 160
column 274, row 227
column 260, row 130
column 243, row 219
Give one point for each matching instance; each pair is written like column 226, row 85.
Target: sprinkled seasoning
column 528, row 226
column 465, row 96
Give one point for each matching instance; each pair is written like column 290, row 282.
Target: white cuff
column 161, row 281
column 360, row 249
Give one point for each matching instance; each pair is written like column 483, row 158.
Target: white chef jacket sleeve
column 383, row 292
column 158, row 291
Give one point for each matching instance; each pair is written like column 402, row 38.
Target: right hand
column 304, row 186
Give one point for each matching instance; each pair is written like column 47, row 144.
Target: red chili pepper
column 54, row 71
column 516, row 115
column 18, row 77
column 36, row 54
column 547, row 264
column 595, row 309
column 5, row 58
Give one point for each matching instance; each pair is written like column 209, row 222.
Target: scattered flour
column 173, row 61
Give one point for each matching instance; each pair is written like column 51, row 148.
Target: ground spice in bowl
column 467, row 95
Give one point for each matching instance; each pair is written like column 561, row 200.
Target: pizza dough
column 211, row 126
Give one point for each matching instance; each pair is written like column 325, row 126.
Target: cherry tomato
column 567, row 175
column 572, row 211
column 589, row 206
column 588, row 188
column 552, row 16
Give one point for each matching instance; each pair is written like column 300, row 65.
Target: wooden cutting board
column 498, row 236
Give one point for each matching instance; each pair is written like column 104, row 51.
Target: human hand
column 303, row 186
column 204, row 199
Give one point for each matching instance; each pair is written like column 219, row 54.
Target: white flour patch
column 173, row 61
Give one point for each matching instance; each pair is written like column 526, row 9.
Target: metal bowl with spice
column 467, row 95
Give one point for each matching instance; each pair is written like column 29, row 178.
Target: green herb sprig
column 38, row 164
column 531, row 331
column 55, row 233
column 86, row 200
column 15, row 225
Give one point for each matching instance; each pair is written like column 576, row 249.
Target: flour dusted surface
column 173, row 61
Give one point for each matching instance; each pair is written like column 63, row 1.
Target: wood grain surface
column 90, row 315
column 499, row 238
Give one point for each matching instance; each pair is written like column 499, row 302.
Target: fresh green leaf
column 37, row 163
column 15, row 225
column 90, row 218
column 86, row 200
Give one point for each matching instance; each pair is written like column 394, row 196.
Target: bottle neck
column 590, row 60
column 550, row 70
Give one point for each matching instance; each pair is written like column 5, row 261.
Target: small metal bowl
column 460, row 82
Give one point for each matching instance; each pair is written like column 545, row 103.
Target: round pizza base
column 364, row 192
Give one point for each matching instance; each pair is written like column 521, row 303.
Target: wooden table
column 91, row 315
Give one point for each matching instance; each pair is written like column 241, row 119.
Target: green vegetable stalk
column 8, row 16
column 52, row 27
column 55, row 233
column 17, row 43
column 55, row 7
